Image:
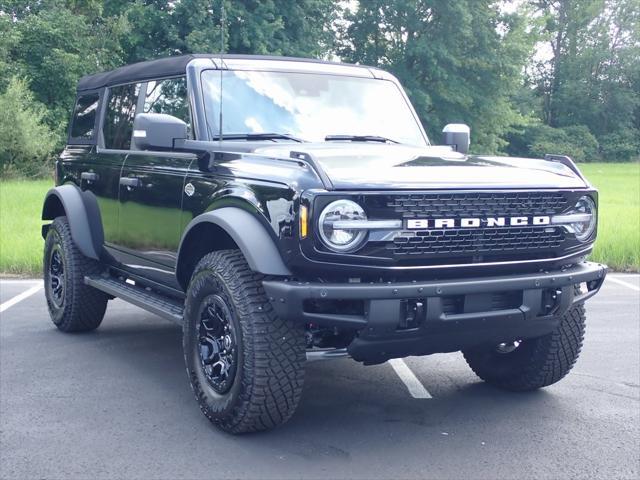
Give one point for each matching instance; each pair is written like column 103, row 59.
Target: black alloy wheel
column 56, row 275
column 218, row 346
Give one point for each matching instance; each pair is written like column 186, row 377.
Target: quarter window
column 121, row 110
column 84, row 117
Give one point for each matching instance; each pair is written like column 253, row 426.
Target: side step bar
column 138, row 296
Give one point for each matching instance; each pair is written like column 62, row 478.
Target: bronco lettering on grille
column 427, row 223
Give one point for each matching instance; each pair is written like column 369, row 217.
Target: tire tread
column 87, row 305
column 551, row 359
column 273, row 374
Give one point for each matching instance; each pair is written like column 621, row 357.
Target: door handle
column 131, row 182
column 89, row 176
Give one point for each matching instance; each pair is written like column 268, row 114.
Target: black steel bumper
column 418, row 318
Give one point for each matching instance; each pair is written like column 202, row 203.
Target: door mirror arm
column 205, row 159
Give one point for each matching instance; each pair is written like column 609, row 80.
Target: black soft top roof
column 163, row 67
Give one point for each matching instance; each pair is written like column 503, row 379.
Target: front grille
column 477, row 204
column 471, row 245
column 482, row 241
column 440, row 247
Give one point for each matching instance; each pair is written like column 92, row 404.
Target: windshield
column 307, row 106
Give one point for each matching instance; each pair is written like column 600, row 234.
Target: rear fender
column 83, row 215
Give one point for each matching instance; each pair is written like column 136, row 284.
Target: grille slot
column 478, row 204
column 477, row 241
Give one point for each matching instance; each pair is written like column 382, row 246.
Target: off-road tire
column 271, row 355
column 536, row 362
column 82, row 307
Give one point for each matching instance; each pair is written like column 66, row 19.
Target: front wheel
column 532, row 363
column 246, row 365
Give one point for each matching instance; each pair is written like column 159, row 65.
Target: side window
column 118, row 121
column 168, row 96
column 84, row 117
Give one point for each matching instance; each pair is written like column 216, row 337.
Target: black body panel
column 151, row 190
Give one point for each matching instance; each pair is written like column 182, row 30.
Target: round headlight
column 340, row 239
column 584, row 229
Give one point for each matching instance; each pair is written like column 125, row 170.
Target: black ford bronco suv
column 282, row 208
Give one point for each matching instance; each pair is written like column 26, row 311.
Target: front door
column 151, row 190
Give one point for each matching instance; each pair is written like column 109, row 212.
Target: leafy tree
column 274, row 27
column 620, row 146
column 460, row 61
column 25, row 139
column 52, row 48
column 592, row 75
column 575, row 141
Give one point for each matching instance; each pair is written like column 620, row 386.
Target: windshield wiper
column 359, row 138
column 261, row 136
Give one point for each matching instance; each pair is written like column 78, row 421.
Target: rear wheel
column 246, row 365
column 532, row 363
column 73, row 306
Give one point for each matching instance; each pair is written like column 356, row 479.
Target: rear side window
column 118, row 121
column 83, row 123
column 168, row 96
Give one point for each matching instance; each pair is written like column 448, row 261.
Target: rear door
column 95, row 173
column 151, row 189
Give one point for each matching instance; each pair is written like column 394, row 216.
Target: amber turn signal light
column 304, row 224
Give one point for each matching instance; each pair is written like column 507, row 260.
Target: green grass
column 618, row 242
column 20, row 241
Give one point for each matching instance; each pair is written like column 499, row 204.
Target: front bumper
column 447, row 315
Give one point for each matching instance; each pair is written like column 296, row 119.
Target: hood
column 357, row 166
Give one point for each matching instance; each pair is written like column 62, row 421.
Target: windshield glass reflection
column 308, row 106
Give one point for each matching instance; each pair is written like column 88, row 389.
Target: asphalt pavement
column 116, row 403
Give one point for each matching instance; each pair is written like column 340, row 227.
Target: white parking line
column 18, row 281
column 623, row 283
column 18, row 298
column 416, row 389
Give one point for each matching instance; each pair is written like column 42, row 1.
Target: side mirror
column 457, row 135
column 158, row 131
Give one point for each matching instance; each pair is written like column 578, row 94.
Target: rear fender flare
column 83, row 214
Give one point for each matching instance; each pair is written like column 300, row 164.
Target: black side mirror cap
column 158, row 131
column 457, row 136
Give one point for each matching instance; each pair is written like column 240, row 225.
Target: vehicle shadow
column 355, row 406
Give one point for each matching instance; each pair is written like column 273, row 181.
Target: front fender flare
column 83, row 214
column 249, row 234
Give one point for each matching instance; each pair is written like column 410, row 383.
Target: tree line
column 530, row 77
